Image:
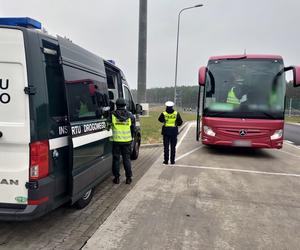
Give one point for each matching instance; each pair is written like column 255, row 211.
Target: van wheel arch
column 85, row 199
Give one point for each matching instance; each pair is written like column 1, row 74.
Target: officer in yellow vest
column 123, row 128
column 232, row 98
column 171, row 120
column 235, row 95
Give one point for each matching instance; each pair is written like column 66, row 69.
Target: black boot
column 128, row 180
column 116, row 180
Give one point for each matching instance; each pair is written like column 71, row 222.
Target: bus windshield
column 245, row 88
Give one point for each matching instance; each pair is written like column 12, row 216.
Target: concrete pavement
column 292, row 133
column 69, row 228
column 211, row 199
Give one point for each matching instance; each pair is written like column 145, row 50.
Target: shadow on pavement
column 236, row 151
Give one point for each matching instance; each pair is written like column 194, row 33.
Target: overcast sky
column 109, row 28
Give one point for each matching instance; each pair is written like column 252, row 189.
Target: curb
column 155, row 145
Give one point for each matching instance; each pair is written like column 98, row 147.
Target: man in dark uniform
column 171, row 120
column 123, row 127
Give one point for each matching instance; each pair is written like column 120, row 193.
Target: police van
column 55, row 103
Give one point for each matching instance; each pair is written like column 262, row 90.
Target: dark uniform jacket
column 172, row 131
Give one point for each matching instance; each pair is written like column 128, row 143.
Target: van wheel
column 85, row 199
column 136, row 150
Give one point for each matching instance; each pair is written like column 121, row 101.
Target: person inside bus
column 236, row 94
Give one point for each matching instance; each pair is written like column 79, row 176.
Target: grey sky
column 109, row 28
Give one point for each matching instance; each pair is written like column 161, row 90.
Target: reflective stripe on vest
column 170, row 119
column 121, row 130
column 231, row 98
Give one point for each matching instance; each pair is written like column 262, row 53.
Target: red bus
column 243, row 100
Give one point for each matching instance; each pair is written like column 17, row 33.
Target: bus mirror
column 202, row 76
column 139, row 109
column 296, row 73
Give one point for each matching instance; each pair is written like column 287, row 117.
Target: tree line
column 186, row 95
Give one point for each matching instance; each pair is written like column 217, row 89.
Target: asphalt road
column 292, row 133
column 69, row 228
column 213, row 198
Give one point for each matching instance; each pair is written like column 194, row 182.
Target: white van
column 55, row 100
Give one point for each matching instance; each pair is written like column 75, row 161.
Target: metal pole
column 176, row 62
column 177, row 46
column 142, row 53
column 290, row 108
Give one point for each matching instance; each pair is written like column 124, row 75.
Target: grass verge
column 295, row 119
column 151, row 127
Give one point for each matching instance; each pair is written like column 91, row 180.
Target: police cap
column 169, row 104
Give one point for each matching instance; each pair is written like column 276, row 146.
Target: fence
column 292, row 107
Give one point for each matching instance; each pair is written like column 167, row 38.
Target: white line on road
column 283, row 151
column 291, row 144
column 184, row 135
column 188, row 153
column 237, row 170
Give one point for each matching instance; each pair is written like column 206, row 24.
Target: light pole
column 142, row 53
column 176, row 63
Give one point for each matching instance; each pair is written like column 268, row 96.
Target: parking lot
column 213, row 198
column 69, row 228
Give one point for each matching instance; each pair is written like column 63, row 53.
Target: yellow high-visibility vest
column 231, row 98
column 170, row 119
column 121, row 130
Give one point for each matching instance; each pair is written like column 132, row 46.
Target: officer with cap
column 123, row 128
column 171, row 120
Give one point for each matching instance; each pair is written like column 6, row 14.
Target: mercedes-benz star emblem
column 243, row 132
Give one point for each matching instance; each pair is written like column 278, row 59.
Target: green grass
column 151, row 127
column 292, row 119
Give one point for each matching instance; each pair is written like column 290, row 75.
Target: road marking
column 188, row 153
column 283, row 151
column 238, row 170
column 184, row 135
column 292, row 144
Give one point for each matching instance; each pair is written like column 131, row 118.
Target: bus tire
column 85, row 199
column 136, row 149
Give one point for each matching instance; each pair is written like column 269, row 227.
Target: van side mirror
column 139, row 109
column 202, row 76
column 296, row 73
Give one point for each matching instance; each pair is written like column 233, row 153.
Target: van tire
column 136, row 150
column 85, row 199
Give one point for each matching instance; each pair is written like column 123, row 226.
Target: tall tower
column 142, row 53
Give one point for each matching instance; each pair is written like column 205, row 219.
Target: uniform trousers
column 169, row 140
column 123, row 149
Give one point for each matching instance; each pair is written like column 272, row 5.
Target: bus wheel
column 136, row 150
column 85, row 199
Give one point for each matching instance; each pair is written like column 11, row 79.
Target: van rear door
column 14, row 118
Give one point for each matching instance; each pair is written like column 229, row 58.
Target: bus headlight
column 277, row 135
column 209, row 131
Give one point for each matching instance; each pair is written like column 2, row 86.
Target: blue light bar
column 112, row 62
column 20, row 21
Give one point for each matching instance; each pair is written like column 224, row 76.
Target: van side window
column 87, row 99
column 55, row 80
column 128, row 100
